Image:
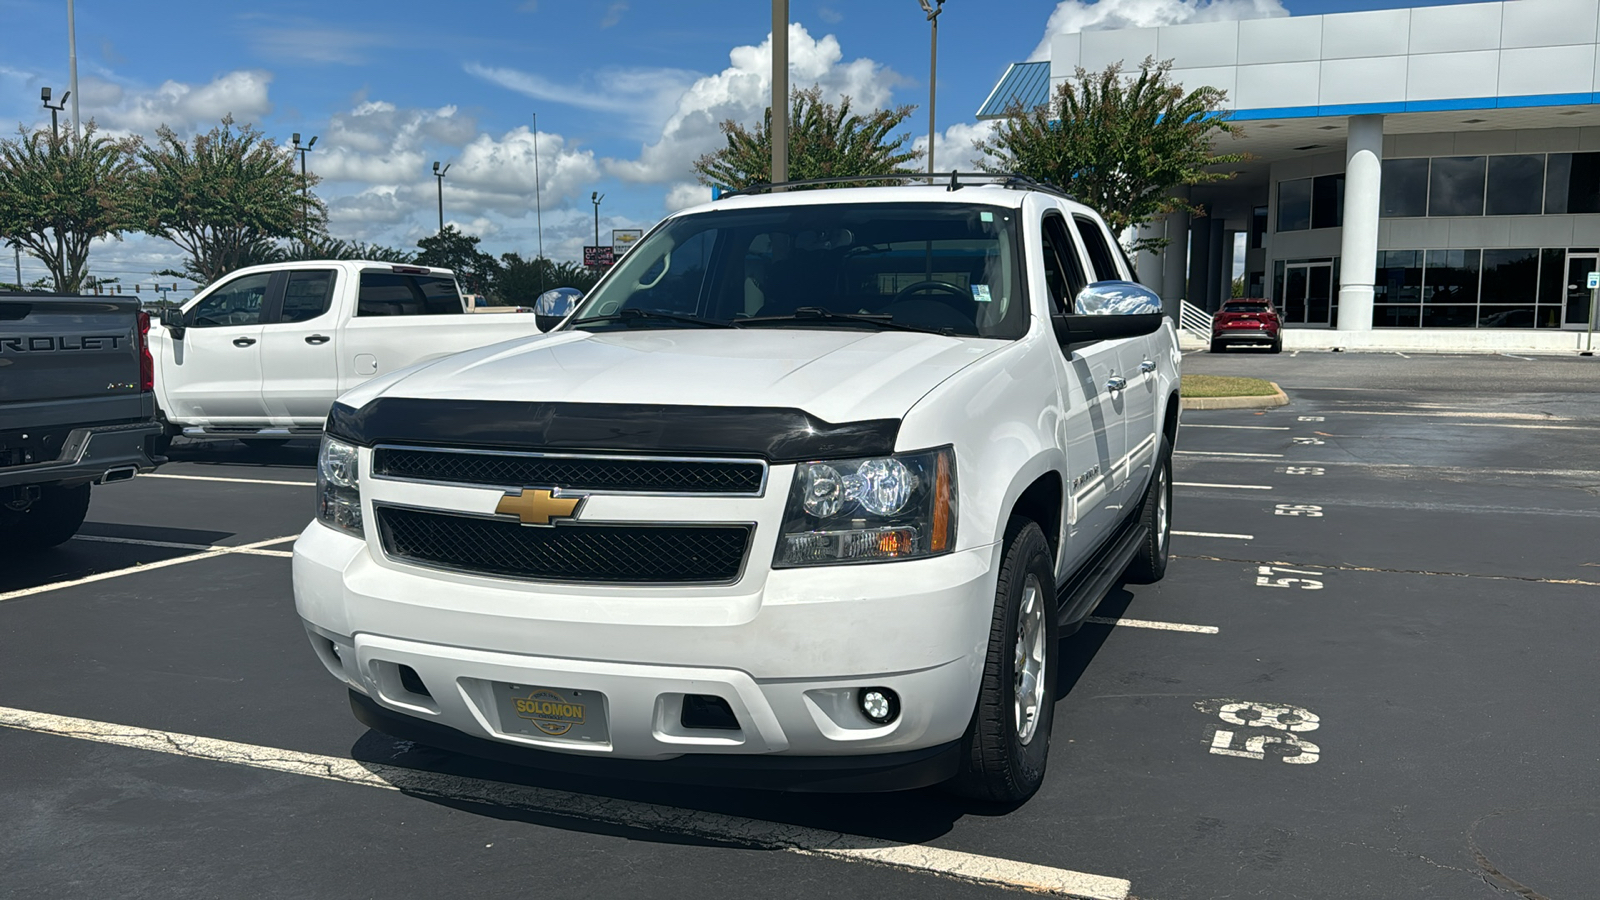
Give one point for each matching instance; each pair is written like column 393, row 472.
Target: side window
column 1062, row 272
column 308, row 295
column 236, row 302
column 401, row 294
column 1094, row 241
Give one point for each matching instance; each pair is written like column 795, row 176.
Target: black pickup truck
column 77, row 407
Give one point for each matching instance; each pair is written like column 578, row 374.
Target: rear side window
column 399, row 294
column 1094, row 241
column 307, row 296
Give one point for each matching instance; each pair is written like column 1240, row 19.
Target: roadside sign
column 599, row 257
column 1594, row 280
column 624, row 238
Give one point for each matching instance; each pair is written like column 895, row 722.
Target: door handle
column 243, row 342
column 1147, row 367
column 317, row 339
column 1116, row 383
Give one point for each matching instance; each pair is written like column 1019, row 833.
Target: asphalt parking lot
column 1370, row 672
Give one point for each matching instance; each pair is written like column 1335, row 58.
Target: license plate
column 548, row 712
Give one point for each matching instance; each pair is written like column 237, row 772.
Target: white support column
column 1175, row 263
column 1358, row 249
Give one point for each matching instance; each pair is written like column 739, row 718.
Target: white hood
column 836, row 375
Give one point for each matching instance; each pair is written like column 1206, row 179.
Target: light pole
column 439, row 174
column 933, row 10
column 44, row 97
column 305, row 187
column 72, row 61
column 780, row 91
column 595, row 197
column 538, row 210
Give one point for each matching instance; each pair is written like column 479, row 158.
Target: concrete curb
column 1278, row 399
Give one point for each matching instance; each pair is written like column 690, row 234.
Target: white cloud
column 379, row 143
column 184, row 107
column 310, row 44
column 742, row 91
column 614, row 14
column 1074, row 15
column 642, row 95
column 954, row 148
column 685, row 194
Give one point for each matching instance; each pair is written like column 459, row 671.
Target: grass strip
column 1226, row 386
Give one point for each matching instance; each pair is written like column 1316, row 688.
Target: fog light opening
column 880, row 705
column 412, row 682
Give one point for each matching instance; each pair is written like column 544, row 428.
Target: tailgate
column 66, row 359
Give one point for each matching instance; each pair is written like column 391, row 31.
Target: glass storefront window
column 1516, row 185
column 1404, row 188
column 1510, row 276
column 1455, row 186
column 1294, row 205
column 1450, row 277
column 1396, row 316
column 1327, row 201
column 1399, row 277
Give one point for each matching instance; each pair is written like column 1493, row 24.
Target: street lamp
column 44, row 97
column 439, row 174
column 933, row 10
column 595, row 197
column 305, row 187
column 538, row 209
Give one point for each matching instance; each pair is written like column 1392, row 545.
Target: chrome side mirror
column 1116, row 298
column 1107, row 310
column 554, row 305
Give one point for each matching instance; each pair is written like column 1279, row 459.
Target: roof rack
column 952, row 181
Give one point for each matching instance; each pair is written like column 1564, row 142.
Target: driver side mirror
column 554, row 305
column 1107, row 310
column 175, row 321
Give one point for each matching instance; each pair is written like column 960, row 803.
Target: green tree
column 323, row 246
column 521, row 281
column 59, row 194
column 225, row 197
column 450, row 249
column 1119, row 143
column 825, row 141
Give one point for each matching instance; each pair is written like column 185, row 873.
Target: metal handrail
column 1194, row 320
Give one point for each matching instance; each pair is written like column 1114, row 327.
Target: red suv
column 1246, row 321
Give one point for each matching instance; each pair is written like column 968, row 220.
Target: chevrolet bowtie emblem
column 538, row 507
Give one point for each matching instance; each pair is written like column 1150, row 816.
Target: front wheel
column 1008, row 740
column 1155, row 513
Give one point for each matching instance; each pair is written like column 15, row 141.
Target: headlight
column 870, row 510
column 339, row 486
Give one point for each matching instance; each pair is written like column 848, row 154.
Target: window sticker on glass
column 980, row 293
column 985, row 217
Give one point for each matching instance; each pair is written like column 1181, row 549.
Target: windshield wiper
column 818, row 314
column 633, row 315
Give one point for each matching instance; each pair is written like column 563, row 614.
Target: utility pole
column 305, row 188
column 780, row 91
column 72, row 61
column 933, row 10
column 439, row 174
column 538, row 210
column 17, row 248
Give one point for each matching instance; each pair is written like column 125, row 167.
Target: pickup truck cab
column 261, row 354
column 76, row 409
column 801, row 495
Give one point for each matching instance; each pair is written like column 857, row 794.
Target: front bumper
column 89, row 454
column 786, row 649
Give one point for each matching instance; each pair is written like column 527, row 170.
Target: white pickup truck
column 261, row 354
column 801, row 495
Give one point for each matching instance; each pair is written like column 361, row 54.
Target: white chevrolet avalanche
column 802, row 495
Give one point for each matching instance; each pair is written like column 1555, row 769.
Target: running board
column 1079, row 596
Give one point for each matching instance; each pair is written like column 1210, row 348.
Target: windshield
column 949, row 268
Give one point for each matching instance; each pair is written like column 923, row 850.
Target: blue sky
column 627, row 92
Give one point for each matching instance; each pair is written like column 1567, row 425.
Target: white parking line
column 1220, row 453
column 143, row 543
column 249, row 549
column 1217, row 534
column 1138, row 623
column 1239, row 427
column 1242, row 487
column 230, row 480
column 651, row 817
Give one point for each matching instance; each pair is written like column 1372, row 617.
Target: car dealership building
column 1435, row 169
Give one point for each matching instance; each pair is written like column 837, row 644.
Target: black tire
column 1003, row 759
column 263, row 443
column 50, row 520
column 1217, row 347
column 1277, row 346
column 1155, row 512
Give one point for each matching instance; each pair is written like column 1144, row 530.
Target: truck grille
column 576, row 473
column 636, row 554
